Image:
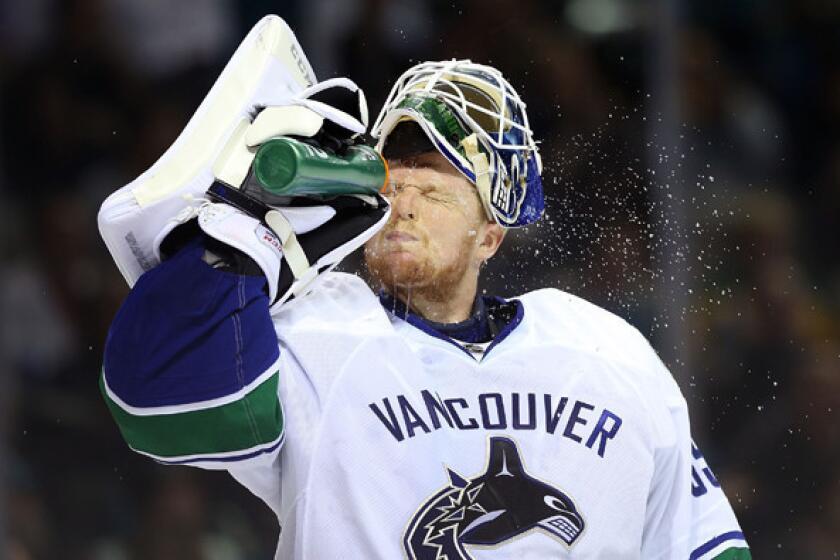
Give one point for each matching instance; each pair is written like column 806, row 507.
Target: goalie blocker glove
column 266, row 91
column 309, row 234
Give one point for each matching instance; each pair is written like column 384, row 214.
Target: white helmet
column 475, row 118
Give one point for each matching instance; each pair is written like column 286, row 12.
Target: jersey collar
column 492, row 318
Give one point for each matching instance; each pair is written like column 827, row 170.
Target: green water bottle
column 288, row 167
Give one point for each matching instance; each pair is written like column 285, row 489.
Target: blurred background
column 692, row 169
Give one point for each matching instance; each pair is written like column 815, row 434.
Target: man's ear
column 490, row 237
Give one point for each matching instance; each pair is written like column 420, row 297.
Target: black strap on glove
column 353, row 217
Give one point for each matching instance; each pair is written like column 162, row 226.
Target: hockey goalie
column 418, row 417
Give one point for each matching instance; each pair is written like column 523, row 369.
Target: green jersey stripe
column 255, row 419
column 734, row 554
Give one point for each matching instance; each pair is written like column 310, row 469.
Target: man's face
column 438, row 228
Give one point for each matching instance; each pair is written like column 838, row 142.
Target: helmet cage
column 455, row 99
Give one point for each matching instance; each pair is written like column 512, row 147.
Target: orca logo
column 496, row 506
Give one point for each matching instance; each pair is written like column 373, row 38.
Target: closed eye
column 429, row 192
column 437, row 195
column 434, row 197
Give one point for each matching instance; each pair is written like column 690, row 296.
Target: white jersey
column 567, row 439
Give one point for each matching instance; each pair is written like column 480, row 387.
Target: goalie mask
column 475, row 118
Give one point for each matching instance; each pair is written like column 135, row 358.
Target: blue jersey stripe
column 188, row 332
column 704, row 548
column 225, row 459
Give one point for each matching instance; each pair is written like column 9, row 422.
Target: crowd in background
column 93, row 91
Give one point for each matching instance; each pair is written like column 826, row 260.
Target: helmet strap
column 481, row 168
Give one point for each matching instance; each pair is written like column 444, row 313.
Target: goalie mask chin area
column 475, row 118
